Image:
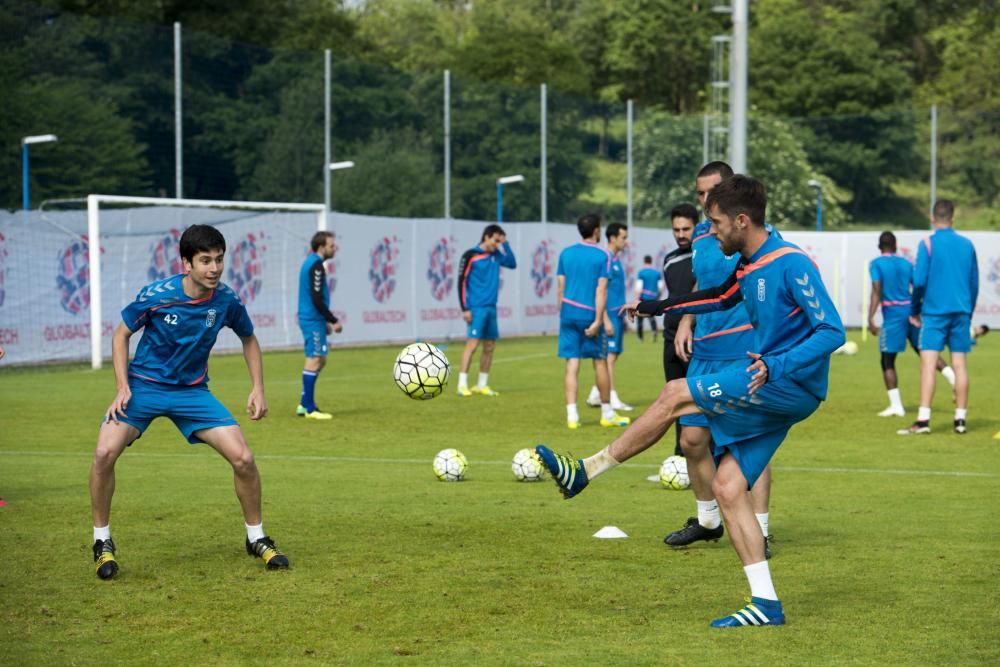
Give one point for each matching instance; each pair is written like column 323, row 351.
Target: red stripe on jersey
column 724, row 332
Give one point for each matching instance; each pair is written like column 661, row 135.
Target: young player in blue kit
column 181, row 318
column 478, row 290
column 582, row 288
column 945, row 289
column 315, row 320
column 617, row 235
column 648, row 285
column 750, row 410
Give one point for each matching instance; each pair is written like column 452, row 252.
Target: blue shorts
column 191, row 409
column 951, row 330
column 700, row 366
column 315, row 338
column 616, row 343
column 484, row 323
column 575, row 344
column 896, row 330
column 749, row 427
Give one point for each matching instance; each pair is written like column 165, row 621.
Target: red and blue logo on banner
column 246, row 267
column 541, row 267
column 165, row 256
column 994, row 273
column 441, row 268
column 382, row 269
column 3, row 269
column 73, row 276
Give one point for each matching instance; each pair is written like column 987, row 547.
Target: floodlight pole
column 516, row 178
column 447, row 144
column 335, row 166
column 819, row 203
column 934, row 115
column 178, row 121
column 544, row 104
column 738, row 88
column 630, row 113
column 25, row 185
column 326, row 129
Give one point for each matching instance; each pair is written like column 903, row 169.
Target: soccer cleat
column 464, row 391
column 301, row 411
column 264, row 547
column 567, row 472
column 319, row 415
column 104, row 556
column 960, row 426
column 616, row 420
column 624, row 407
column 693, row 532
column 892, row 412
column 484, row 391
column 916, row 428
column 757, row 612
column 767, row 546
column 572, row 424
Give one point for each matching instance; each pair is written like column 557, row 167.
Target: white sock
column 894, row 399
column 463, row 380
column 759, row 576
column 762, row 520
column 599, row 463
column 483, row 380
column 708, row 513
column 607, row 411
column 614, row 398
column 923, row 414
column 949, row 374
column 960, row 413
column 594, row 396
column 254, row 533
column 571, row 413
column 102, row 533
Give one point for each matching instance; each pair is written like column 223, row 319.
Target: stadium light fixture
column 813, row 183
column 25, row 142
column 505, row 180
column 335, row 166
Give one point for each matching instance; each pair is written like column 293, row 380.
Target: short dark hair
column 491, row 230
column 684, row 210
column 587, row 224
column 944, row 209
column 718, row 167
column 613, row 230
column 887, row 241
column 200, row 238
column 648, row 259
column 740, row 194
column 319, row 240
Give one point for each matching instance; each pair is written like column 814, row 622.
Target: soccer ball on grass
column 527, row 467
column 421, row 371
column 450, row 465
column 674, row 473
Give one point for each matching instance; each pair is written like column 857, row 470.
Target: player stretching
column 749, row 410
column 181, row 316
column 478, row 288
column 891, row 276
column 945, row 289
column 718, row 343
column 315, row 320
column 617, row 235
column 648, row 285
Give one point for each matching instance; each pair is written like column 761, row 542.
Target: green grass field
column 886, row 547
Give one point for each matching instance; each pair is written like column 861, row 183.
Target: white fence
column 393, row 279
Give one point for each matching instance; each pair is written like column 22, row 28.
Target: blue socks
column 308, row 400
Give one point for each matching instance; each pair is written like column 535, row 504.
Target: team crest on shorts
column 210, row 318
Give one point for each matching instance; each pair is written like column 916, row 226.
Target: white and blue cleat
column 758, row 612
column 567, row 472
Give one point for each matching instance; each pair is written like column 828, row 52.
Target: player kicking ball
column 750, row 411
column 181, row 317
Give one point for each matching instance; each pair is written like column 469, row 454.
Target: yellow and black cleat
column 265, row 549
column 104, row 558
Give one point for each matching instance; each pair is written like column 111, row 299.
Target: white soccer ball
column 527, row 467
column 450, row 465
column 421, row 371
column 674, row 473
column 850, row 348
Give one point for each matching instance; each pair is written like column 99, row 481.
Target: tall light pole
column 516, row 178
column 813, row 183
column 25, row 142
column 334, row 166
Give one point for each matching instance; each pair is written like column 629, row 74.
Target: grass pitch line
column 426, row 461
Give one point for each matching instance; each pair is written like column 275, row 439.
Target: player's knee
column 105, row 456
column 726, row 491
column 243, row 462
column 665, row 405
column 693, row 449
column 888, row 361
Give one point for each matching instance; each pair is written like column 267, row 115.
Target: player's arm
column 256, row 403
column 507, row 258
column 974, row 280
column 638, row 289
column 600, row 306
column 560, row 289
column 684, row 338
column 920, row 272
column 463, row 267
column 874, row 302
column 119, row 361
column 317, row 275
column 722, row 297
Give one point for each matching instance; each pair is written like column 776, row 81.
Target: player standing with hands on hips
column 315, row 320
column 181, row 318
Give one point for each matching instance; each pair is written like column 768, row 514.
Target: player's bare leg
column 730, row 489
column 485, row 363
column 928, row 369
column 570, row 381
column 601, row 378
column 760, row 500
column 959, row 363
column 315, row 366
column 112, row 440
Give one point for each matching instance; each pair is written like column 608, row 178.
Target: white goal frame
column 94, row 246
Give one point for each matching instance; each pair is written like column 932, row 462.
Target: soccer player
column 678, row 277
column 945, row 289
column 582, row 282
column 750, row 410
column 713, row 343
column 181, row 317
column 648, row 285
column 315, row 320
column 891, row 276
column 478, row 288
column 617, row 235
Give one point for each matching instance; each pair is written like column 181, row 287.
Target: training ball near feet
column 674, row 473
column 527, row 467
column 421, row 371
column 850, row 348
column 450, row 465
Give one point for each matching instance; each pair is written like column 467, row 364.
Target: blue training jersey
column 314, row 294
column 946, row 278
column 479, row 275
column 894, row 274
column 724, row 334
column 796, row 326
column 616, row 285
column 179, row 332
column 650, row 279
column 582, row 265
